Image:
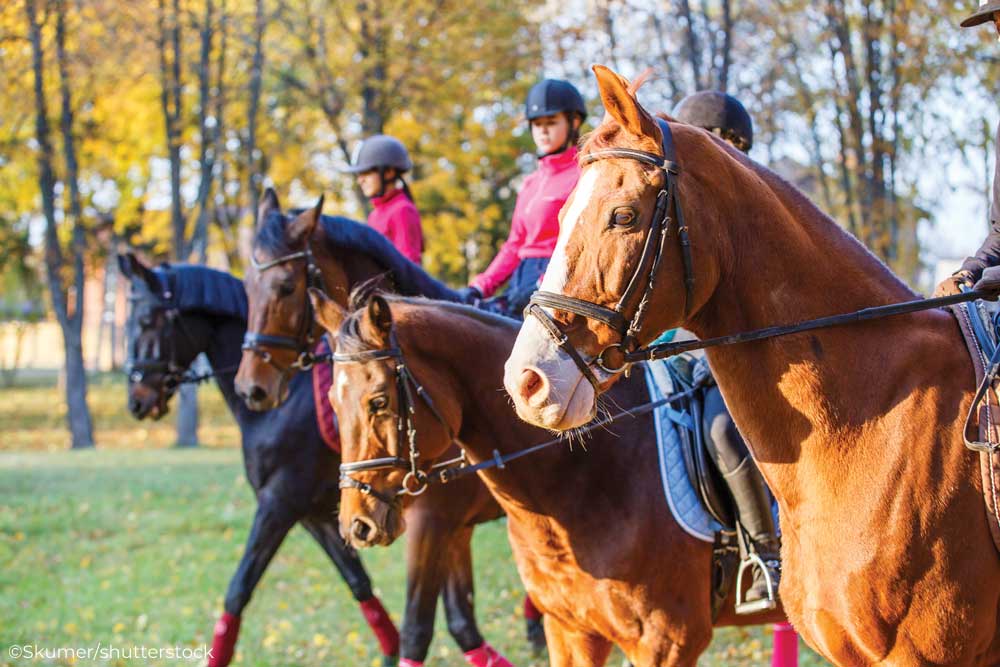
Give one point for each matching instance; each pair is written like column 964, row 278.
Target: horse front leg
column 324, row 529
column 271, row 524
column 570, row 647
column 427, row 543
column 459, row 605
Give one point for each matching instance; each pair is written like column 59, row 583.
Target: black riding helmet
column 720, row 113
column 551, row 96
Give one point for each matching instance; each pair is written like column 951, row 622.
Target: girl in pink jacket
column 555, row 110
column 379, row 163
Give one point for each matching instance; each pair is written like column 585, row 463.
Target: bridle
column 304, row 341
column 407, row 387
column 649, row 264
column 172, row 372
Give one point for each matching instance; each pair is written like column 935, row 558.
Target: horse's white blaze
column 570, row 396
column 558, row 269
column 341, row 385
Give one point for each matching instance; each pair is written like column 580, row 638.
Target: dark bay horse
column 290, row 253
column 594, row 540
column 887, row 551
column 291, row 469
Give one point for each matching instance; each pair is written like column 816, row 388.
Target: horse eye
column 378, row 404
column 285, row 289
column 623, row 217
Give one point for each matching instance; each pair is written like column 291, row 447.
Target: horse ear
column 620, row 103
column 379, row 318
column 329, row 313
column 126, row 262
column 268, row 203
column 133, row 268
column 304, row 224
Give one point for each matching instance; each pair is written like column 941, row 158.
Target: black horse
column 181, row 311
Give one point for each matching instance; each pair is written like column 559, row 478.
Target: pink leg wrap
column 380, row 623
column 406, row 662
column 786, row 646
column 531, row 612
column 227, row 629
column 486, row 656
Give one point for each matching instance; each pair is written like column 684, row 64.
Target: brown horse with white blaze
column 888, row 558
column 593, row 539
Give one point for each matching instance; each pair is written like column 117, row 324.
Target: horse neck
column 343, row 271
column 223, row 350
column 789, row 263
column 472, row 354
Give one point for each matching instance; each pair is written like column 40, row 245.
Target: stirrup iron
column 764, row 604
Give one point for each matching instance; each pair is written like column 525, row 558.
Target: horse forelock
column 271, row 234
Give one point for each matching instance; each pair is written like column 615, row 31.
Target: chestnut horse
column 595, row 542
column 342, row 255
column 887, row 552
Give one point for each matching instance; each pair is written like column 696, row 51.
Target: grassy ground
column 134, row 544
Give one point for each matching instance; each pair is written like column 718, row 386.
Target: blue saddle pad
column 678, row 490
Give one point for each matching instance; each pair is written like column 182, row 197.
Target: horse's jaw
column 564, row 399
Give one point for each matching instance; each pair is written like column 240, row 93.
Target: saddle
column 982, row 424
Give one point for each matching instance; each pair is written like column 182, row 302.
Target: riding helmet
column 987, row 8
column 720, row 113
column 380, row 151
column 552, row 96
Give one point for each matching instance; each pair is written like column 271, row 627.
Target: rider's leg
column 753, row 501
column 524, row 283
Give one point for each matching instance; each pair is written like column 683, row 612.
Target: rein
column 302, row 343
column 445, row 471
column 666, row 350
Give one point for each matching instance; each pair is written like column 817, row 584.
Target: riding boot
column 753, row 505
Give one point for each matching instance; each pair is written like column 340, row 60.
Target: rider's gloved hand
column 470, row 295
column 953, row 283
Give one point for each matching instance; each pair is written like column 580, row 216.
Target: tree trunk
column 78, row 414
column 169, row 46
column 253, row 105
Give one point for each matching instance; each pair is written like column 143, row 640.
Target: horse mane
column 195, row 288
column 352, row 237
column 351, row 340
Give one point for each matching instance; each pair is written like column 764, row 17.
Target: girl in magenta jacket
column 555, row 110
column 379, row 163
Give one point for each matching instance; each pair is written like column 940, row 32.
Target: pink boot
column 486, row 656
column 383, row 627
column 786, row 646
column 227, row 629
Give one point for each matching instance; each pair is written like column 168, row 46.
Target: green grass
column 134, row 544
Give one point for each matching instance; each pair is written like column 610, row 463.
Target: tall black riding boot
column 753, row 504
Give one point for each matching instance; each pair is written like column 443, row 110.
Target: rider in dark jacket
column 989, row 253
column 725, row 116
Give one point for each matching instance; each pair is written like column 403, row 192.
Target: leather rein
column 304, row 342
column 416, row 480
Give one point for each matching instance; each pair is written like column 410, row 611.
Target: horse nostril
column 257, row 393
column 531, row 387
column 134, row 406
column 362, row 529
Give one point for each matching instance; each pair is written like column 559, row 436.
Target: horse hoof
column 390, row 660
